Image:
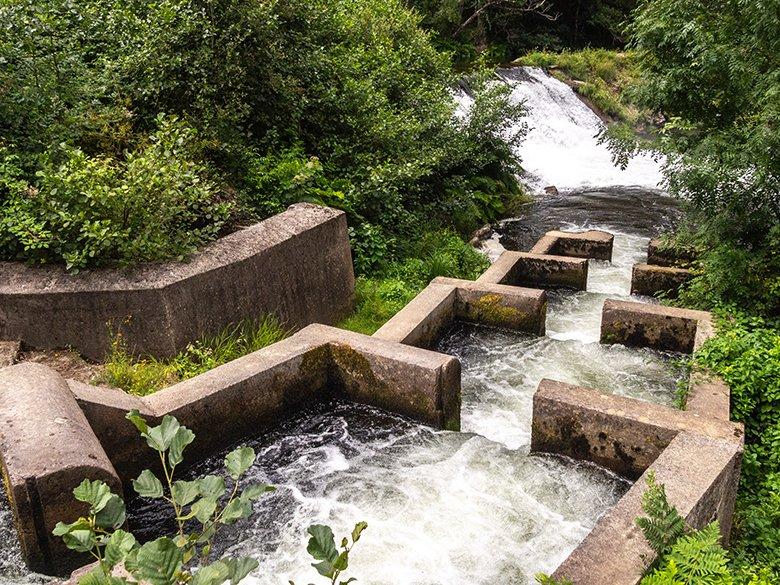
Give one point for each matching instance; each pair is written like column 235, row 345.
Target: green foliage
column 185, row 558
column 696, row 559
column 382, row 295
column 332, row 561
column 714, row 75
column 145, row 376
column 346, row 103
column 543, row 579
column 159, row 202
column 663, row 526
column 746, row 354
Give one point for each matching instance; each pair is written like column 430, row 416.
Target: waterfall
column 561, row 147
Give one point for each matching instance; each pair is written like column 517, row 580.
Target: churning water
column 471, row 507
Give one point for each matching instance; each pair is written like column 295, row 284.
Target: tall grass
column 147, row 375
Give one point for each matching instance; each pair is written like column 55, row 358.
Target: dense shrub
column 347, row 103
column 746, row 353
column 158, row 202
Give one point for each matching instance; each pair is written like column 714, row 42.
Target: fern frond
column 663, row 525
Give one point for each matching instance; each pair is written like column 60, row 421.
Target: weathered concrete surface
column 622, row 434
column 423, row 321
column 660, row 255
column 648, row 279
column 538, row 270
column 9, row 350
column 511, row 307
column 259, row 390
column 296, row 265
column 616, row 552
column 656, row 326
column 708, row 395
column 47, row 449
column 590, row 244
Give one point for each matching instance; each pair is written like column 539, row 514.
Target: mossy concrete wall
column 296, row 265
column 538, row 270
column 590, row 244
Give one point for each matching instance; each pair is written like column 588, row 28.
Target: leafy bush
column 158, row 203
column 145, row 376
column 185, row 558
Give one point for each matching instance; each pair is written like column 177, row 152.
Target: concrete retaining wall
column 296, row 265
column 660, row 255
column 47, row 448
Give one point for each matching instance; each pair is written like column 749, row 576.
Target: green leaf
column 95, row 493
column 204, row 509
column 181, row 439
column 140, row 423
column 113, row 514
column 324, row 568
column 61, row 528
column 98, row 576
column 147, row 485
column 255, row 490
column 239, row 461
column 160, row 437
column 322, row 546
column 358, row 530
column 119, row 545
column 213, row 574
column 240, row 568
column 185, row 492
column 158, row 562
column 342, row 562
column 80, row 540
column 236, row 510
column 212, row 486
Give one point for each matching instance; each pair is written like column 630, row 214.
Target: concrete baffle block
column 538, row 270
column 594, row 244
column 660, row 254
column 656, row 326
column 648, row 279
column 47, row 449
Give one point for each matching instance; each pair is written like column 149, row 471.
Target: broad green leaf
column 95, row 493
column 236, row 510
column 62, row 528
column 358, row 530
column 321, row 544
column 238, row 461
column 213, row 574
column 324, row 568
column 140, row 423
column 212, row 486
column 113, row 514
column 240, row 568
column 204, row 509
column 185, row 492
column 160, row 437
column 147, row 485
column 79, row 540
column 119, row 544
column 158, row 562
column 342, row 562
column 181, row 439
column 255, row 490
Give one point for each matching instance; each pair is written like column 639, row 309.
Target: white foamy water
column 561, row 147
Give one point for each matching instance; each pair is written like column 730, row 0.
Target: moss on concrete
column 491, row 310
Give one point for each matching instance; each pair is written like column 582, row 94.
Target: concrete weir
column 56, row 432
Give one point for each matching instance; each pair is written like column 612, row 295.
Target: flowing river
column 471, row 507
